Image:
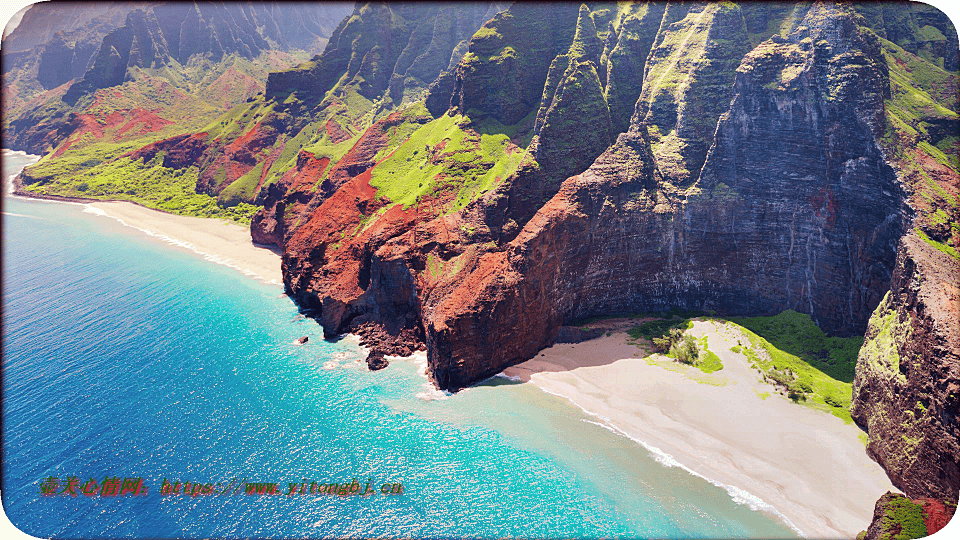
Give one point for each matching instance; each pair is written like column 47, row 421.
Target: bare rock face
column 906, row 393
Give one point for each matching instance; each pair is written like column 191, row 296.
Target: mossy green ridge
column 797, row 334
column 922, row 124
column 918, row 28
column 801, row 381
column 625, row 53
column 903, row 519
column 573, row 122
column 503, row 73
column 897, row 517
column 446, row 160
column 379, row 58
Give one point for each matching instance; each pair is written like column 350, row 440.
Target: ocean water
column 126, row 357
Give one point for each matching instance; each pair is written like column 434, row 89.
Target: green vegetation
column 154, row 104
column 800, row 375
column 684, row 350
column 659, row 329
column 709, row 361
column 668, row 336
column 796, row 334
column 444, row 158
column 151, row 185
column 949, row 250
column 903, row 519
column 687, row 85
column 881, row 352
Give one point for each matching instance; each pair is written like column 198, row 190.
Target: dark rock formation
column 376, row 361
column 576, row 334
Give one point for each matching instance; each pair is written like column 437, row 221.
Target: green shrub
column 685, row 350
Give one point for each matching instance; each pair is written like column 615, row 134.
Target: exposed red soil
column 304, row 176
column 140, row 122
column 336, row 133
column 361, row 156
column 936, row 515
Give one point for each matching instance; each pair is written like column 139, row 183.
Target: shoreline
column 805, row 467
column 674, row 412
column 217, row 241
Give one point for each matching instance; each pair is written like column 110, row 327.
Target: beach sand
column 216, row 240
column 806, row 466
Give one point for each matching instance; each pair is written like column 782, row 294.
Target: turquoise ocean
column 126, row 357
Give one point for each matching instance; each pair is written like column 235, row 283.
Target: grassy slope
column 790, row 350
column 446, row 154
column 923, row 98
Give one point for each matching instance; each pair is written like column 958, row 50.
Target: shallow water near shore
column 126, row 358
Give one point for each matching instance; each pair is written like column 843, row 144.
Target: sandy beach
column 806, row 466
column 215, row 240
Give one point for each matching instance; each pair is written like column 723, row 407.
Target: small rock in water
column 376, row 361
column 302, row 340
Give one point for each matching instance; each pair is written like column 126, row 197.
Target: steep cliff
column 799, row 140
column 906, row 389
column 812, row 167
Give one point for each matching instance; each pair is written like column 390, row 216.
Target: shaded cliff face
column 795, row 208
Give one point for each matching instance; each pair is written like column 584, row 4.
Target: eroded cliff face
column 757, row 173
column 795, row 208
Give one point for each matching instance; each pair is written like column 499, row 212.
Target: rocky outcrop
column 392, row 51
column 907, row 386
column 896, row 516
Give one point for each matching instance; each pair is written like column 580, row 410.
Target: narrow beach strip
column 216, row 240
